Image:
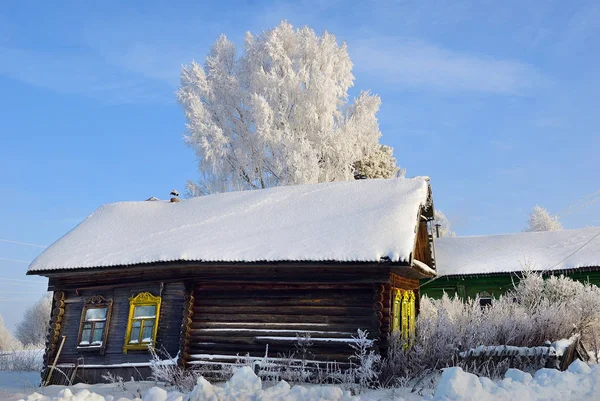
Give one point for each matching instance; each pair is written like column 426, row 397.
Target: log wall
column 240, row 319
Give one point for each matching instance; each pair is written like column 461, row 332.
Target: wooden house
column 488, row 266
column 213, row 278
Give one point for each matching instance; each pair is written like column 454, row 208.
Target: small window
column 485, row 302
column 93, row 329
column 485, row 299
column 144, row 310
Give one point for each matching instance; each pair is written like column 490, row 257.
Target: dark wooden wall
column 168, row 327
column 422, row 250
column 213, row 313
column 240, row 319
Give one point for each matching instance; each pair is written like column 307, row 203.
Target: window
column 404, row 312
column 142, row 325
column 485, row 299
column 93, row 329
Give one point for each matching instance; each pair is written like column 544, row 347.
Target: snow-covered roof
column 363, row 221
column 548, row 250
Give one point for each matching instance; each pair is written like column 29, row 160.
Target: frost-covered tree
column 33, row 328
column 380, row 163
column 7, row 341
column 444, row 224
column 541, row 220
column 278, row 113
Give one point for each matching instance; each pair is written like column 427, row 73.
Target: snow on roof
column 363, row 220
column 548, row 250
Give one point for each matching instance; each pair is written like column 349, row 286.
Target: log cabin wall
column 240, row 319
column 167, row 335
column 232, row 309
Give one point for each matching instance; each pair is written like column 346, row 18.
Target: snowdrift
column 579, row 382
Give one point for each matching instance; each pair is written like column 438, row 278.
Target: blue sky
column 496, row 101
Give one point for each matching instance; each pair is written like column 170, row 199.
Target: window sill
column 142, row 347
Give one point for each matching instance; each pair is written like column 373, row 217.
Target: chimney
column 174, row 196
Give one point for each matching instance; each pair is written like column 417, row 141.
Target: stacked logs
column 52, row 339
column 186, row 327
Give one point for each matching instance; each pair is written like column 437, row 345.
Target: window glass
column 135, row 332
column 96, row 314
column 85, row 334
column 148, row 331
column 98, row 333
column 144, row 311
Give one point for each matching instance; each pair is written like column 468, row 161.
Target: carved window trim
column 94, row 302
column 404, row 312
column 141, row 300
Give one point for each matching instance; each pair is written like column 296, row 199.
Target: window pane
column 85, row 335
column 96, row 314
column 144, row 311
column 148, row 331
column 98, row 333
column 135, row 332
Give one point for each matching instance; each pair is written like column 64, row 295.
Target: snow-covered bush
column 365, row 363
column 537, row 310
column 165, row 369
column 7, row 341
column 33, row 328
column 27, row 359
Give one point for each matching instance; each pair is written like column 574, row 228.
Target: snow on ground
column 579, row 382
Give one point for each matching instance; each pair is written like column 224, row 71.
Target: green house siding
column 494, row 284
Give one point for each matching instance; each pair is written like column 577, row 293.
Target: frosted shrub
column 534, row 312
column 27, row 359
column 364, row 364
column 168, row 371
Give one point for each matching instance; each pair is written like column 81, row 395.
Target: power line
column 576, row 250
column 589, row 202
column 20, row 280
column 28, row 285
column 21, row 243
column 585, row 198
column 16, row 260
column 18, row 292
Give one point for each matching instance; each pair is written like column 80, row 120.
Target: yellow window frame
column 404, row 312
column 142, row 299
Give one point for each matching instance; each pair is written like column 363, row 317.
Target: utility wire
column 578, row 202
column 576, row 250
column 20, row 280
column 16, row 260
column 21, row 243
column 25, row 285
column 583, row 205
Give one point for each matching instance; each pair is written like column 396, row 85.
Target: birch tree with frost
column 541, row 220
column 278, row 113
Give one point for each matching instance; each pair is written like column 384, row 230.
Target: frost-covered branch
column 279, row 114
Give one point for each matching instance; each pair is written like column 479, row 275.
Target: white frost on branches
column 541, row 220
column 378, row 164
column 278, row 114
column 7, row 341
column 33, row 328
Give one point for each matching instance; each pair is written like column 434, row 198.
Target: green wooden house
column 488, row 266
